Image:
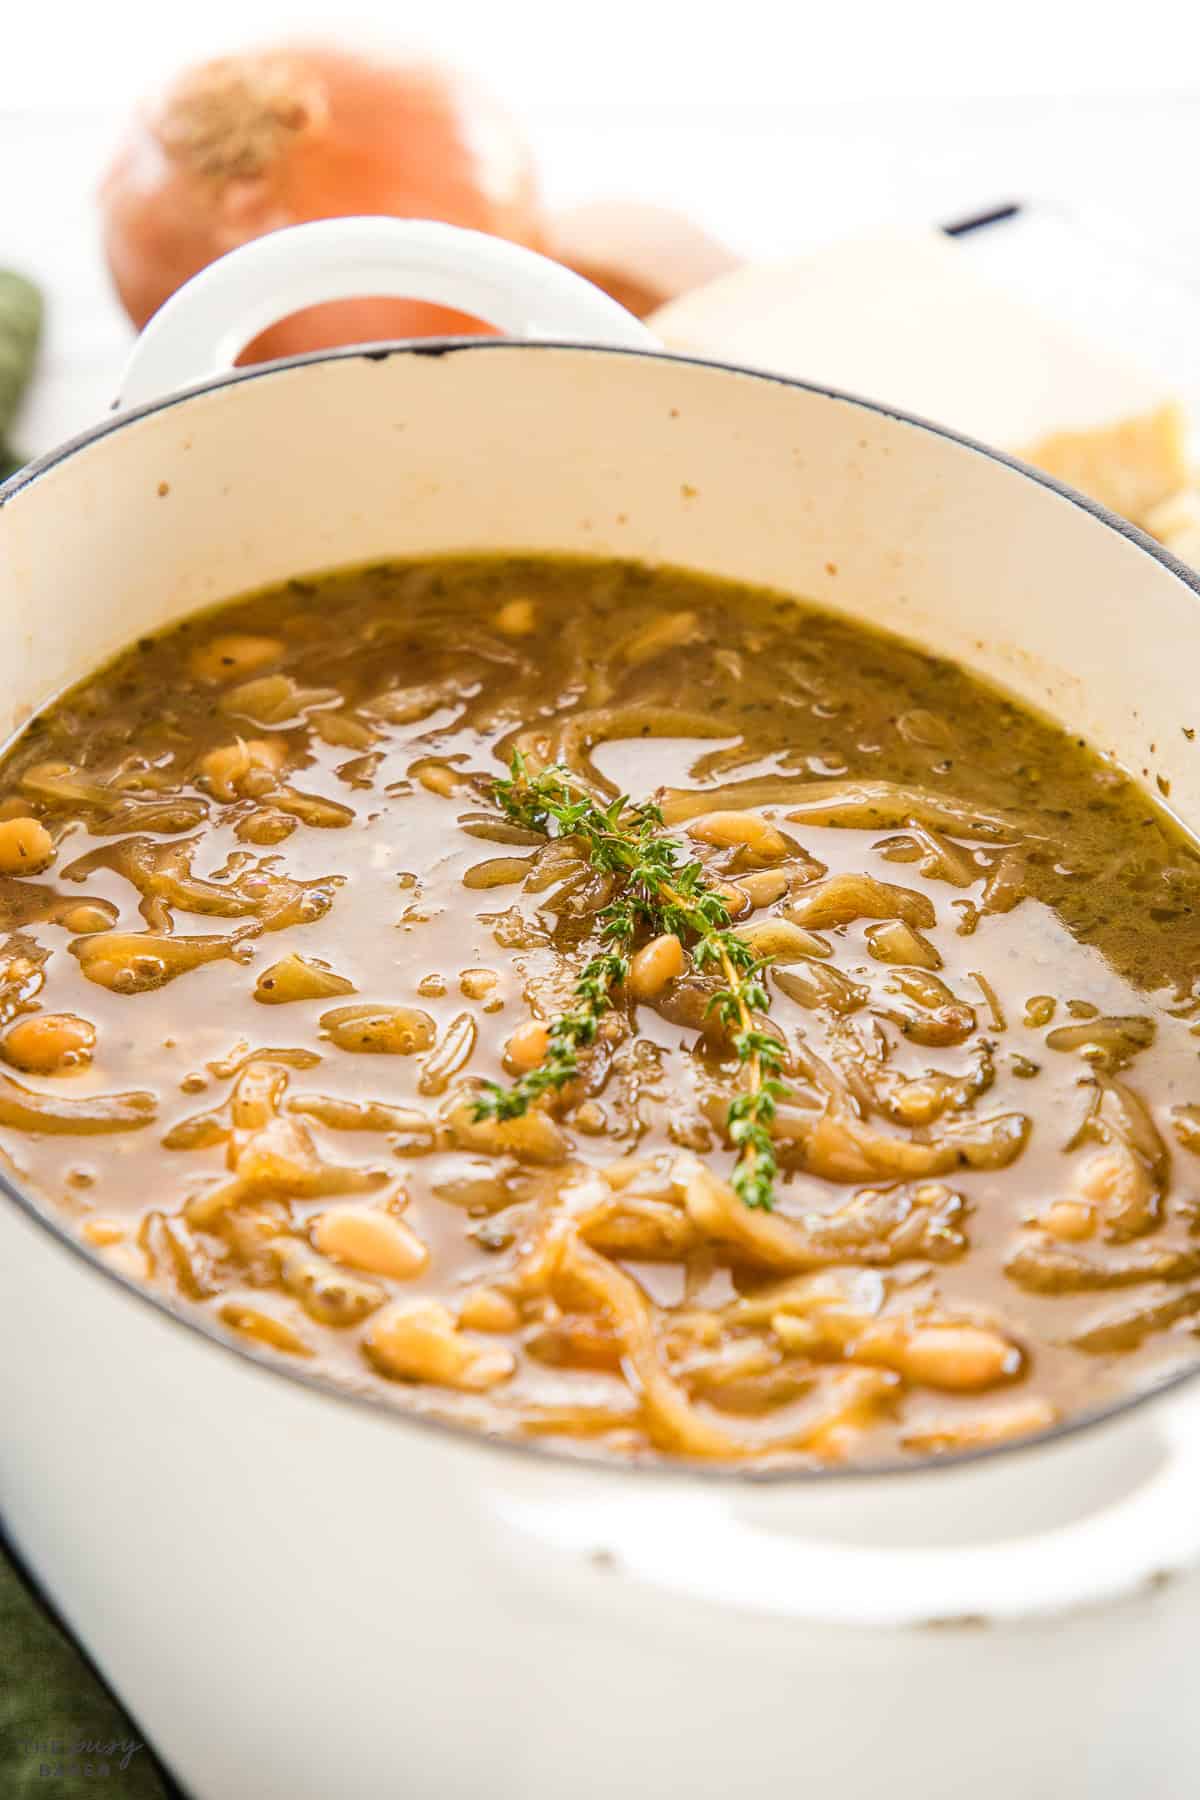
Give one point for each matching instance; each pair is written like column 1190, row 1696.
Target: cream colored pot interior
column 599, row 453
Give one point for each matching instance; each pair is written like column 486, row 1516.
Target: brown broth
column 350, row 823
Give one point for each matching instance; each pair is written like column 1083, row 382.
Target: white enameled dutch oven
column 304, row 1595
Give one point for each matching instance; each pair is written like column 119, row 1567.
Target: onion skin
column 248, row 144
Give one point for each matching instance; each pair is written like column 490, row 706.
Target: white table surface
column 771, row 178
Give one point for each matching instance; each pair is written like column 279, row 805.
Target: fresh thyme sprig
column 662, row 890
column 570, row 1032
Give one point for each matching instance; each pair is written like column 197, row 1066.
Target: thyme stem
column 665, row 892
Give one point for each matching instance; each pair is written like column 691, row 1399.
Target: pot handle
column 728, row 1553
column 201, row 330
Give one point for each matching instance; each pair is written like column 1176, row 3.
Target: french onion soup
column 610, row 1007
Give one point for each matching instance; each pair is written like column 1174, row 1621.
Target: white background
column 791, row 53
column 778, row 125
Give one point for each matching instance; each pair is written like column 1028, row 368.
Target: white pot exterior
column 300, row 1596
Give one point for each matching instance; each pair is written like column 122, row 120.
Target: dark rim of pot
column 326, row 1387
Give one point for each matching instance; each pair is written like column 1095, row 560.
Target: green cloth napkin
column 20, row 331
column 62, row 1735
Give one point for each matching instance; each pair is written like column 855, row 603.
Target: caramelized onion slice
column 781, row 940
column 313, row 809
column 673, row 1421
column 421, row 1340
column 533, row 1137
column 328, row 1293
column 573, row 738
column 24, row 903
column 454, row 1050
column 1106, row 1042
column 338, row 1114
column 867, row 805
column 820, row 985
column 937, row 856
column 276, row 700
column 839, row 1147
column 134, row 962
column 1127, row 1178
column 876, row 1227
column 1127, row 1328
column 23, row 1109
column 1002, row 1424
column 1045, row 1268
column 162, row 874
column 299, row 978
column 379, row 1030
column 635, row 1225
column 63, row 785
column 263, row 1328
column 841, row 899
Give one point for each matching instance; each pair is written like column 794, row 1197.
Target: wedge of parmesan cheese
column 1135, row 466
column 906, row 320
column 1176, row 523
